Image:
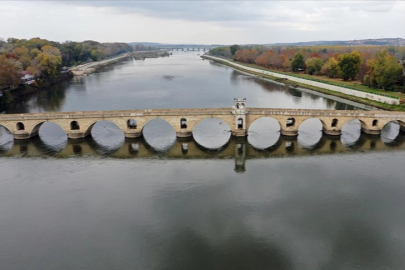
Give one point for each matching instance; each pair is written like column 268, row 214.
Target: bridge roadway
column 239, row 118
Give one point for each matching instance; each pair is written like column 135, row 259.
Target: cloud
column 204, row 21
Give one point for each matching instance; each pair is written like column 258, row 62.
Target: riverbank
column 23, row 90
column 94, row 66
column 382, row 102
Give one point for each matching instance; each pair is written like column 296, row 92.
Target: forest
column 380, row 67
column 44, row 58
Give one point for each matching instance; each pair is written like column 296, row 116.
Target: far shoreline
column 310, row 89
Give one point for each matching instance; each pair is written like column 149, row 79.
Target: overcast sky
column 203, row 22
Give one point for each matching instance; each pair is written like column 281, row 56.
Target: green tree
column 314, row 64
column 298, row 62
column 234, row 48
column 349, row 65
column 94, row 55
column 384, row 70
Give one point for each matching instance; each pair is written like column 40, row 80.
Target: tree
column 8, row 72
column 331, row 68
column 94, row 55
column 349, row 64
column 384, row 70
column 49, row 60
column 234, row 48
column 314, row 64
column 298, row 62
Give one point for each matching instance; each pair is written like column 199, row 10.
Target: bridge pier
column 402, row 127
column 332, row 132
column 21, row 135
column 371, row 131
column 289, row 132
column 183, row 134
column 239, row 133
column 73, row 134
column 132, row 134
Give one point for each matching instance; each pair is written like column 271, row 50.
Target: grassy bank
column 377, row 104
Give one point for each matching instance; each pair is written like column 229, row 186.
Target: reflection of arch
column 270, row 148
column 212, row 150
column 262, row 117
column 20, row 126
column 100, row 148
column 387, row 130
column 74, row 125
column 131, row 124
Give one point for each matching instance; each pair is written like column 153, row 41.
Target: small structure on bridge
column 239, row 110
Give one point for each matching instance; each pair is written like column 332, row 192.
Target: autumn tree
column 8, row 72
column 349, row 65
column 384, row 70
column 298, row 62
column 50, row 60
column 331, row 68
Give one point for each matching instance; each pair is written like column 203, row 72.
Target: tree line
column 41, row 57
column 375, row 66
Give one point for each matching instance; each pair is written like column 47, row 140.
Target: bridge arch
column 34, row 131
column 391, row 130
column 6, row 127
column 193, row 124
column 264, row 133
column 89, row 128
column 203, row 130
column 250, row 123
column 310, row 132
column 159, row 132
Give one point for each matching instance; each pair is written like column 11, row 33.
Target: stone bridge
column 238, row 117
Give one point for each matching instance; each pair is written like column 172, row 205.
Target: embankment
column 371, row 99
column 93, row 66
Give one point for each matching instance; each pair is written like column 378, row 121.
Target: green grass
column 373, row 103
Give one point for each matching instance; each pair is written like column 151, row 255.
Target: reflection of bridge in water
column 236, row 148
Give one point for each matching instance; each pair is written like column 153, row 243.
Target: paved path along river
column 347, row 91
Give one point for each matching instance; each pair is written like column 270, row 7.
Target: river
column 210, row 202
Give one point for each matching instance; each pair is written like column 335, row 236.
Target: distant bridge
column 184, row 49
column 239, row 118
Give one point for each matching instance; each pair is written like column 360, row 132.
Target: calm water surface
column 211, row 202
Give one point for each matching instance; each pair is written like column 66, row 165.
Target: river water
column 211, row 202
